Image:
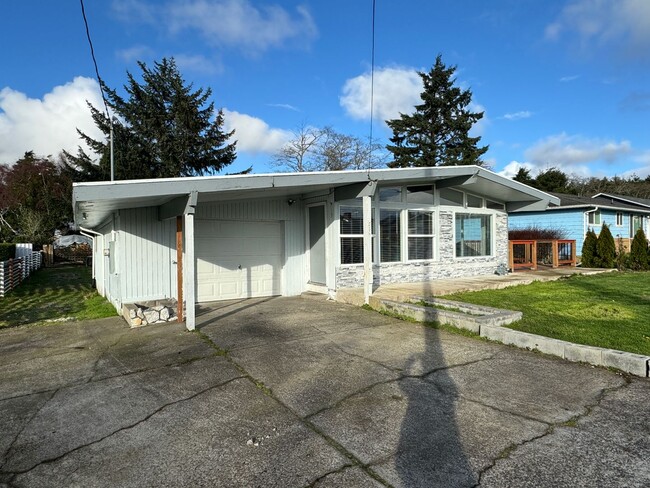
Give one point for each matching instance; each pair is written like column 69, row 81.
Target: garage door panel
column 238, row 259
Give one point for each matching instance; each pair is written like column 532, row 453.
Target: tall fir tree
column 589, row 256
column 605, row 248
column 437, row 133
column 639, row 251
column 164, row 128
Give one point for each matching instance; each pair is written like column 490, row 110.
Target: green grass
column 609, row 310
column 54, row 295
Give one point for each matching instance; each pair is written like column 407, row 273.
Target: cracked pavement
column 298, row 392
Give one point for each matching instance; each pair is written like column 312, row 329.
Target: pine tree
column 437, row 133
column 163, row 129
column 639, row 251
column 605, row 248
column 589, row 256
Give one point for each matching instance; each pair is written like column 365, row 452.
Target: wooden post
column 188, row 273
column 511, row 257
column 179, row 265
column 534, row 260
column 556, row 254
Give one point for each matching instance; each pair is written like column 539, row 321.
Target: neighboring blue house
column 575, row 215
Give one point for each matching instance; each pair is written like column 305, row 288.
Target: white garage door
column 236, row 259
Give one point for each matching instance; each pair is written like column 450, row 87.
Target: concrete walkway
column 290, row 392
column 404, row 291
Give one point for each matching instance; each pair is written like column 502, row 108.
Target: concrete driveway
column 296, row 392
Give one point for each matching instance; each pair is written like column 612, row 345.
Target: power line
column 101, row 87
column 372, row 82
column 92, row 53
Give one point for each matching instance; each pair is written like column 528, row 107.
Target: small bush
column 589, row 254
column 7, row 251
column 605, row 248
column 535, row 233
column 639, row 251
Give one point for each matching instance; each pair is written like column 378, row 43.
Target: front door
column 317, row 244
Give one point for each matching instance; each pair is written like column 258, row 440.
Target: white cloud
column 253, row 135
column 564, row 150
column 285, row 106
column 197, row 63
column 397, row 90
column 134, row 53
column 567, row 79
column 50, row 124
column 620, row 24
column 511, row 169
column 524, row 114
column 236, row 23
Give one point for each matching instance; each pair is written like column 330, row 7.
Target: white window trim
column 434, row 241
column 492, row 231
column 622, row 219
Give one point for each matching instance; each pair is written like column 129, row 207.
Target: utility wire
column 372, row 83
column 92, row 53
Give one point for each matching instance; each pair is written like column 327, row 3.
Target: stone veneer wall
column 351, row 276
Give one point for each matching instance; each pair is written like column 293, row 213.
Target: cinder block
column 584, row 354
column 635, row 364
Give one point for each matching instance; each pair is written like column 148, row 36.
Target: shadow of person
column 430, row 450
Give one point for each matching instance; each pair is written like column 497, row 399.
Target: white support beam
column 367, row 248
column 189, row 291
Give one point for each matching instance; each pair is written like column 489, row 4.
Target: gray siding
column 147, row 252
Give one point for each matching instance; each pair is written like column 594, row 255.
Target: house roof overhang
column 94, row 202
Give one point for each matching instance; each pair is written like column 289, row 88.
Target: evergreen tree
column 589, row 254
column 523, row 176
column 437, row 133
column 163, row 128
column 552, row 179
column 639, row 251
column 605, row 248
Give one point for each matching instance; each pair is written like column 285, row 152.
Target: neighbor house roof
column 94, row 202
column 644, row 202
column 597, row 201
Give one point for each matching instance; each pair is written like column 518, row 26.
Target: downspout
column 87, row 233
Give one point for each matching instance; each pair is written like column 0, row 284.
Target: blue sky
column 562, row 83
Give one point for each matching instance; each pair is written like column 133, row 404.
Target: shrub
column 605, row 248
column 639, row 251
column 7, row 251
column 589, row 254
column 535, row 233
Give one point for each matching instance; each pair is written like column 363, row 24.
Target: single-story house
column 203, row 239
column 574, row 215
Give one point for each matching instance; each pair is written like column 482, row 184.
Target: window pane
column 450, row 197
column 351, row 220
column 494, row 205
column 420, row 222
column 351, row 250
column 473, row 235
column 420, row 248
column 389, row 230
column 420, row 194
column 390, row 194
column 473, row 201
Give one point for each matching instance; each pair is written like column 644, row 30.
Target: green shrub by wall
column 605, row 248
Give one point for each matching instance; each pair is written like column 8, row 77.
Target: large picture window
column 473, row 235
column 420, row 234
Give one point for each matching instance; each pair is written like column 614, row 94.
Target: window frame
column 492, row 229
column 619, row 219
column 431, row 236
column 594, row 214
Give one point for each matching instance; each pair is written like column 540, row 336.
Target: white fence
column 14, row 271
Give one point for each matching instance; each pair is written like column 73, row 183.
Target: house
column 202, row 239
column 575, row 215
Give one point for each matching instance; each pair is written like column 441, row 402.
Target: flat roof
column 94, row 202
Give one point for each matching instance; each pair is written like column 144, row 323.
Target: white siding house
column 283, row 234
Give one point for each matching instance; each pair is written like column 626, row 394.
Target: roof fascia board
column 622, row 199
column 355, row 190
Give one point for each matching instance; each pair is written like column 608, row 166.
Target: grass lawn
column 609, row 310
column 63, row 293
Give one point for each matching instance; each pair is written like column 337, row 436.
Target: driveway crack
column 588, row 409
column 121, row 429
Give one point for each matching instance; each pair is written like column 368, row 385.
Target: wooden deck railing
column 528, row 254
